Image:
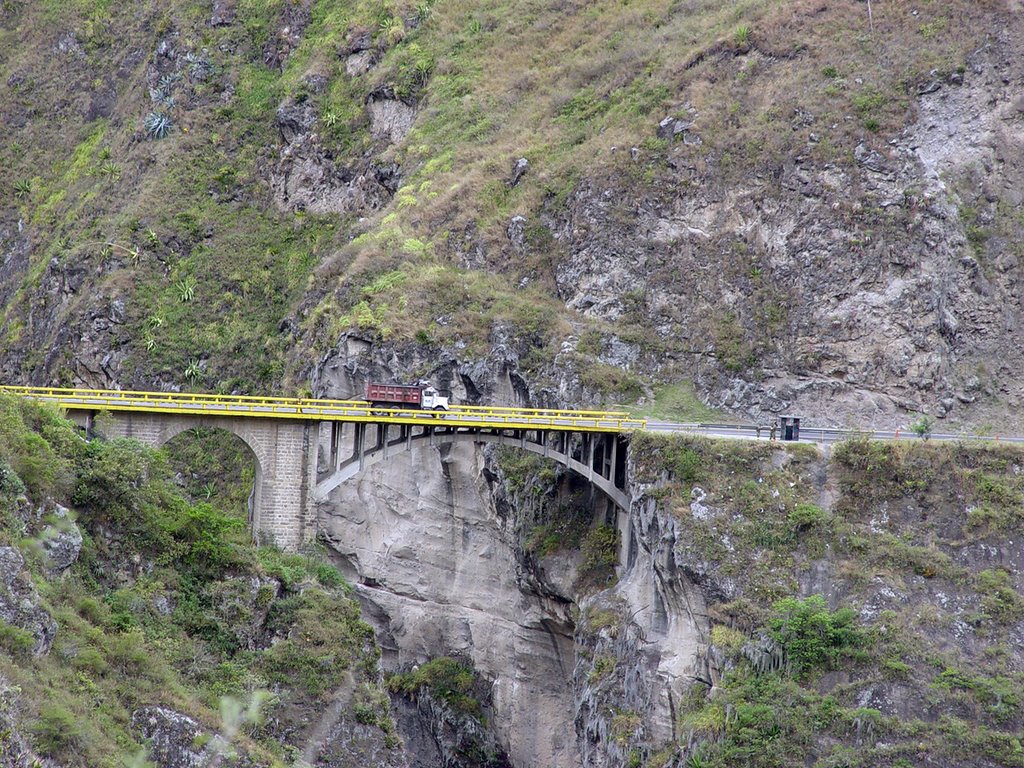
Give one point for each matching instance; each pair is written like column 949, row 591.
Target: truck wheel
column 440, row 408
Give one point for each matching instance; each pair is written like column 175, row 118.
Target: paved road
column 813, row 434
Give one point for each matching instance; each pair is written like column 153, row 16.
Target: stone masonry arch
column 180, row 427
column 282, row 512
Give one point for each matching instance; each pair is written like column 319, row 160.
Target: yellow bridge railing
column 329, row 410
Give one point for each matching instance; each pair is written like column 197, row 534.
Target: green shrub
column 804, row 516
column 10, row 483
column 684, row 463
column 812, row 635
column 128, row 653
column 16, row 641
column 600, row 549
column 36, row 444
column 111, row 477
column 370, row 706
column 446, row 679
column 328, row 575
column 57, row 731
column 604, row 665
column 325, row 637
column 923, row 426
column 999, row 600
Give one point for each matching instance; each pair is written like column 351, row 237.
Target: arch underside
column 174, row 429
column 385, row 449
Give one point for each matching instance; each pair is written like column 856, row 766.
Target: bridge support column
column 285, row 451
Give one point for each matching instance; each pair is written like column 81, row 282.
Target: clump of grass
column 445, row 679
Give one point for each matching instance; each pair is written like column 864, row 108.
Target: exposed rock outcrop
column 436, row 737
column 390, row 119
column 495, row 380
column 62, row 540
column 308, row 178
column 864, row 289
column 19, row 602
column 437, row 573
column 178, row 741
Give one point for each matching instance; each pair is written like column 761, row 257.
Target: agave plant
column 168, row 81
column 193, row 371
column 161, row 97
column 157, row 125
column 22, row 188
column 391, row 29
column 186, row 290
column 199, row 67
column 111, row 170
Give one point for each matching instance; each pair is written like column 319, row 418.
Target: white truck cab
column 433, row 401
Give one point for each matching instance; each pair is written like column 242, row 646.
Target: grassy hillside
column 143, row 145
column 864, row 610
column 168, row 605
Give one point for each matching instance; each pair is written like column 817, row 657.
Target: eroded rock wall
column 437, row 573
column 441, row 571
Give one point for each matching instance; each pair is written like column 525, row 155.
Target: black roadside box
column 789, row 427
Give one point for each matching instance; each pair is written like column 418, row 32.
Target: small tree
column 922, row 427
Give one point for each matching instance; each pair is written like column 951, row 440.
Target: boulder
column 522, row 165
column 62, row 541
column 516, row 232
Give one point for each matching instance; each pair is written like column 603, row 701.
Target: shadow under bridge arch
column 598, row 457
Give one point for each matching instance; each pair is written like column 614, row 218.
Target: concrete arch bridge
column 305, row 448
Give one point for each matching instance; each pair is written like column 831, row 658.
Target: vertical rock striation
column 437, row 573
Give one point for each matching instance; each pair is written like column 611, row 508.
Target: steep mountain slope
column 138, row 624
column 756, row 206
column 211, row 196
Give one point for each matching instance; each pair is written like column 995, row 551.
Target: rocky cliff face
column 866, row 289
column 434, row 542
column 437, row 573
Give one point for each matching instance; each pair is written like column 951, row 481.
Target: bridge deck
column 330, row 410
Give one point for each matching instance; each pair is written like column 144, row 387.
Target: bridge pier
column 282, row 505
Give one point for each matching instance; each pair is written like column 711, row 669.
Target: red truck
column 401, row 396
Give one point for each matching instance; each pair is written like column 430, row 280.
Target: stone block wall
column 284, row 452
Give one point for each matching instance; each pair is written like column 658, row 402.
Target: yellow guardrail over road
column 330, row 410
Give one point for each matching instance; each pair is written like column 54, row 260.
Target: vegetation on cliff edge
column 167, row 604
